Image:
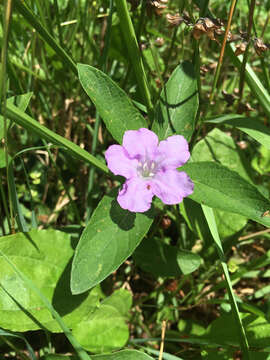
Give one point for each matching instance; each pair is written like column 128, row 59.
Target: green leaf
column 112, row 103
column 212, row 354
column 121, row 300
column 251, row 126
column 223, row 330
column 261, row 161
column 124, row 355
column 105, row 329
column 218, row 187
column 119, row 355
column 157, row 258
column 21, row 101
column 45, row 257
column 109, row 238
column 190, row 327
column 220, row 147
column 229, row 223
column 160, row 259
column 188, row 261
column 178, row 104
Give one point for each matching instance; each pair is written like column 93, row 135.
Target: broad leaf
column 178, row 104
column 105, row 329
column 188, row 261
column 124, row 355
column 120, row 300
column 224, row 331
column 220, row 147
column 218, row 187
column 112, row 103
column 109, row 238
column 160, row 259
column 119, row 355
column 45, row 257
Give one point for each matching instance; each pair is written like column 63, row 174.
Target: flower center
column 147, row 169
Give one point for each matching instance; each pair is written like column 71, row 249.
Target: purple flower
column 150, row 168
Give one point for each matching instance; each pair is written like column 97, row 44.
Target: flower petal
column 119, row 163
column 140, row 144
column 172, row 186
column 136, row 195
column 173, row 152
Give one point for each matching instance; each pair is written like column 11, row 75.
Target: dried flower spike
column 259, row 46
column 240, row 48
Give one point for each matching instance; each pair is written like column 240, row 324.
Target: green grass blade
column 252, row 126
column 80, row 351
column 134, row 52
column 15, row 201
column 29, row 347
column 45, row 35
column 256, row 87
column 20, row 118
column 210, row 218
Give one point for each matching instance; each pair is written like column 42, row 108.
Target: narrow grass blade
column 45, row 35
column 80, row 351
column 15, row 201
column 256, row 87
column 20, row 118
column 29, row 347
column 252, row 126
column 133, row 51
column 210, row 218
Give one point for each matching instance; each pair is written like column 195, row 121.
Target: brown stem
column 244, row 62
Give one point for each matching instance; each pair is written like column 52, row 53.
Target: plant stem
column 221, row 55
column 245, row 57
column 3, row 99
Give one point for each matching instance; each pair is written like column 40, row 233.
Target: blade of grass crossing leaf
column 19, row 117
column 77, row 347
column 210, row 218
